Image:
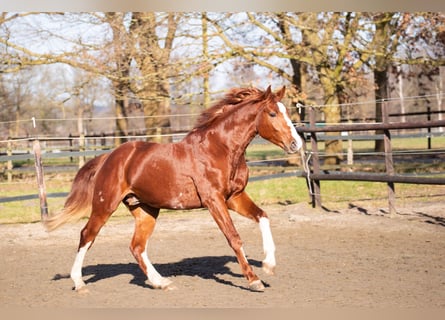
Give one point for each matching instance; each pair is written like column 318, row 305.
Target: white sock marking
column 76, row 269
column 294, row 133
column 153, row 275
column 268, row 244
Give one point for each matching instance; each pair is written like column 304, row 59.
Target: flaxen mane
column 233, row 99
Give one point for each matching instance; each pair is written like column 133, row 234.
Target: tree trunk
column 298, row 96
column 380, row 43
column 332, row 113
column 153, row 62
column 122, row 60
column 381, row 94
column 121, row 105
column 157, row 116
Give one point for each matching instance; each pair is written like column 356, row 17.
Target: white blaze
column 294, row 133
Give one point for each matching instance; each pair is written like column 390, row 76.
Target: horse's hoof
column 268, row 269
column 165, row 284
column 170, row 287
column 256, row 286
column 80, row 287
column 82, row 290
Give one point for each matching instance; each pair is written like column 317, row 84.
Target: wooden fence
column 72, row 146
column 100, row 143
column 314, row 174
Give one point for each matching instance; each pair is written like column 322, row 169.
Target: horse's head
column 274, row 124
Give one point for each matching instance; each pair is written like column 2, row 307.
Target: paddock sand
column 356, row 257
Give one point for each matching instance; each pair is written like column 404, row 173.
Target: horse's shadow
column 209, row 268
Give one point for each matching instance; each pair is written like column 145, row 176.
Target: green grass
column 280, row 190
column 264, row 152
column 336, row 195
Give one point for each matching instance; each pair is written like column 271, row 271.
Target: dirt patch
column 356, row 257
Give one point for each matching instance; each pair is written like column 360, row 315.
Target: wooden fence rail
column 315, row 175
column 66, row 147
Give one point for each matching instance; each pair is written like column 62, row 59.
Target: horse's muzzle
column 294, row 146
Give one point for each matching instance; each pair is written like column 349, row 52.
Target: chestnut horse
column 207, row 169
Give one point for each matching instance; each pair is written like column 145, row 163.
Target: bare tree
column 335, row 51
column 132, row 54
column 153, row 62
column 145, row 55
column 317, row 47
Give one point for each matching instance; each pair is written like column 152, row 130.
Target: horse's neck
column 239, row 132
column 235, row 132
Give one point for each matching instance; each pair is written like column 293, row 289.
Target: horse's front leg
column 242, row 204
column 220, row 214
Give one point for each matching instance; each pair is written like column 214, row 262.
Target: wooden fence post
column 9, row 163
column 82, row 143
column 428, row 118
column 40, row 179
column 315, row 183
column 70, row 139
column 389, row 164
column 39, row 174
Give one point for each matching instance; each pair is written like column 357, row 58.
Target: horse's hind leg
column 100, row 212
column 87, row 237
column 76, row 269
column 145, row 220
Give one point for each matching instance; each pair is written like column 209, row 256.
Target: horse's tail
column 79, row 201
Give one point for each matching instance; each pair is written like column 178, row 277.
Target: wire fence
column 189, row 118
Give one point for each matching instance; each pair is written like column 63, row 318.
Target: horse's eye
column 272, row 114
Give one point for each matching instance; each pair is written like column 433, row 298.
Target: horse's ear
column 268, row 92
column 280, row 94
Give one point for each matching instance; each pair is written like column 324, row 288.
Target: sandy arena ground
column 354, row 258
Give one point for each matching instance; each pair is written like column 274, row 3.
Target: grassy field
column 335, row 194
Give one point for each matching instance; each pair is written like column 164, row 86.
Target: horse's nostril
column 294, row 146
